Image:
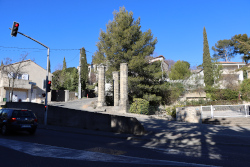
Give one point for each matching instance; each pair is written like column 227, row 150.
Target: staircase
column 229, row 121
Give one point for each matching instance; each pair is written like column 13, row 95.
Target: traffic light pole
column 47, row 75
column 46, row 94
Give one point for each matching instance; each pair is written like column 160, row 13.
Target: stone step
column 228, row 121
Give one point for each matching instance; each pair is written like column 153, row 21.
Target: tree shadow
column 202, row 143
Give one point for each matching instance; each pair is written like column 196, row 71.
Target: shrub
column 222, row 94
column 139, row 106
column 172, row 110
column 229, row 94
column 245, row 89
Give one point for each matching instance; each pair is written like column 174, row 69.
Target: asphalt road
column 58, row 148
column 166, row 144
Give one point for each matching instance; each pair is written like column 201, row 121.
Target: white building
column 29, row 82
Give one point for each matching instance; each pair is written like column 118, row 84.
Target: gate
column 58, row 95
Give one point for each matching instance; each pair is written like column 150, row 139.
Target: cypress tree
column 63, row 77
column 84, row 69
column 64, row 64
column 207, row 63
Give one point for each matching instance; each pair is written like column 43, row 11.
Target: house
column 28, row 85
column 164, row 63
column 194, row 86
column 248, row 70
column 230, row 75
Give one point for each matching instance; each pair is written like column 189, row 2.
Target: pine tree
column 124, row 42
column 84, row 69
column 207, row 63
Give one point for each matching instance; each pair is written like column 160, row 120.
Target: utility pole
column 79, row 82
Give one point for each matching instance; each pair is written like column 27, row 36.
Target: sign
column 32, row 83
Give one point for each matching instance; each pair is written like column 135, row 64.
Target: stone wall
column 60, row 116
column 188, row 114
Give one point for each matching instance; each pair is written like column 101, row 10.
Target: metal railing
column 225, row 111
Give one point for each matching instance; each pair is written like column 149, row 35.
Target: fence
column 224, row 111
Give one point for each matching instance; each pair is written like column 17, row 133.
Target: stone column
column 116, row 87
column 101, row 86
column 66, row 95
column 124, row 86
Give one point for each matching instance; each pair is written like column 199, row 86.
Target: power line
column 42, row 49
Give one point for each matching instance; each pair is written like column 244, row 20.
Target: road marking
column 43, row 150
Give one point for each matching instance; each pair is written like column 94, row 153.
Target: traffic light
column 14, row 29
column 49, row 86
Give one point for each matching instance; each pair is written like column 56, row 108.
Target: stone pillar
column 124, row 86
column 101, row 86
column 116, row 87
column 66, row 95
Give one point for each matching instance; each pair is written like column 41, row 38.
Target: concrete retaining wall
column 82, row 119
column 188, row 114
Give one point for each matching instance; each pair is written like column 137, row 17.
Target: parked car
column 17, row 120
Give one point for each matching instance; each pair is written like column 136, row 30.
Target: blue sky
column 177, row 24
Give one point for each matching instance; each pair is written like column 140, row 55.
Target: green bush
column 229, row 94
column 245, row 89
column 139, row 106
column 172, row 110
column 196, row 102
column 222, row 94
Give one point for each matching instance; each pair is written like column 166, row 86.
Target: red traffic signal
column 48, row 86
column 14, row 29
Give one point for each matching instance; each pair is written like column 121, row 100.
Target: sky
column 66, row 26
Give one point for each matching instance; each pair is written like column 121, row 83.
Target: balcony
column 18, row 83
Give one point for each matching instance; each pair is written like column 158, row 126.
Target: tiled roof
column 227, row 62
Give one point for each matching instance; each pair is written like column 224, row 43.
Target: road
column 58, row 148
column 167, row 143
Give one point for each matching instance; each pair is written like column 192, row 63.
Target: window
column 19, row 113
column 19, row 76
column 11, row 75
column 5, row 114
column 25, row 76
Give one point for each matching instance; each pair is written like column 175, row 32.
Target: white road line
column 42, row 150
